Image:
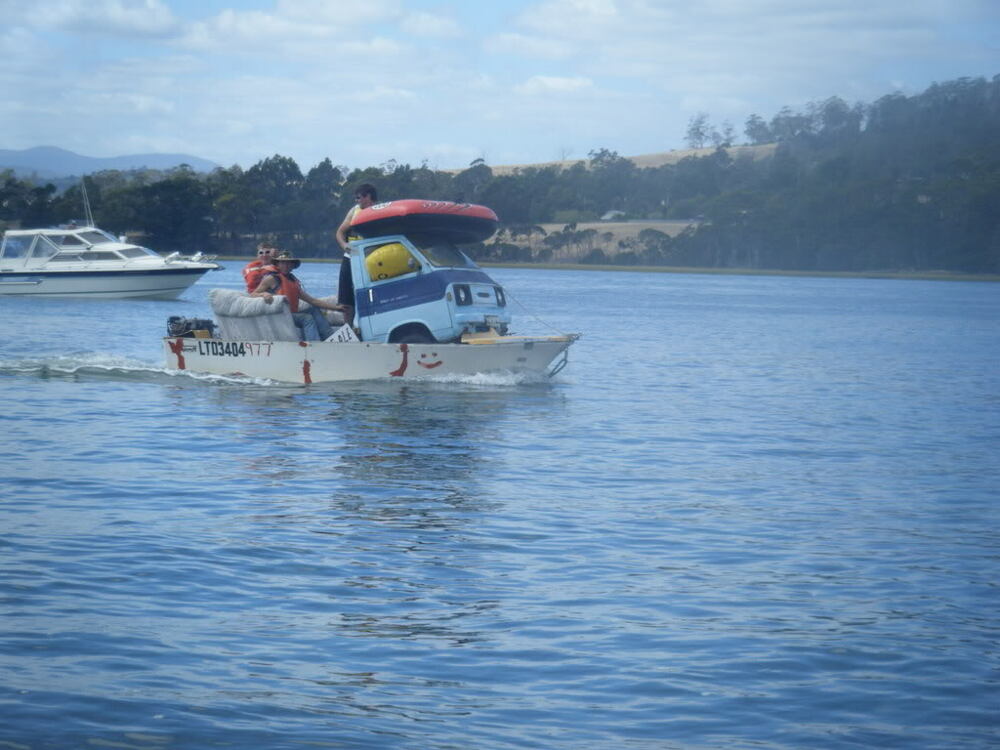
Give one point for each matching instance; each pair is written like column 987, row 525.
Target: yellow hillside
column 643, row 160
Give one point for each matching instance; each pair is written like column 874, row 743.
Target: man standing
column 364, row 196
column 312, row 323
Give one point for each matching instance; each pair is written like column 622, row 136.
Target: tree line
column 905, row 182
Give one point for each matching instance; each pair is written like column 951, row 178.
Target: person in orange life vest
column 364, row 196
column 312, row 323
column 257, row 269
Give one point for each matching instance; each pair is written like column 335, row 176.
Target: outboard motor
column 190, row 327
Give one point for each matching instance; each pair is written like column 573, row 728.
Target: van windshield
column 442, row 252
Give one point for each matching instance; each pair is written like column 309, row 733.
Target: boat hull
column 317, row 362
column 156, row 283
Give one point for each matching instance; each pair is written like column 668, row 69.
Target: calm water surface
column 752, row 513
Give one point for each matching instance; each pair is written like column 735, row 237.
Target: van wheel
column 416, row 337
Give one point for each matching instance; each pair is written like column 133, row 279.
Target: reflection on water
column 375, row 489
column 388, row 434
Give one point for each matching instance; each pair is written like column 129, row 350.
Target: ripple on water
column 771, row 523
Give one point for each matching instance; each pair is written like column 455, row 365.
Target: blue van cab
column 421, row 288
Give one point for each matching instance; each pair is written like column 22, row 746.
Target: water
column 752, row 513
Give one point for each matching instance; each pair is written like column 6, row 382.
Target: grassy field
column 609, row 236
column 641, row 161
column 626, row 229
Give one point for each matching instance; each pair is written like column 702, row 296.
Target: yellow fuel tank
column 389, row 261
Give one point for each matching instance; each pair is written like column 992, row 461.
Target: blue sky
column 444, row 83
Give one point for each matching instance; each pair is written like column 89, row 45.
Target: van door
column 389, row 282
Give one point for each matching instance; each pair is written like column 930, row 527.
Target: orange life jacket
column 289, row 287
column 254, row 272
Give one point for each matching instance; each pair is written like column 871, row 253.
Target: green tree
column 470, row 183
column 320, row 196
column 176, row 212
column 698, row 131
column 274, row 186
column 757, row 130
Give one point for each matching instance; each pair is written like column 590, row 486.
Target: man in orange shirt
column 281, row 280
column 257, row 269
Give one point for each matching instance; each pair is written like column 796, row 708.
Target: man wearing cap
column 312, row 323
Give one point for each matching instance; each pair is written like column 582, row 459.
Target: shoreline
column 907, row 275
column 901, row 275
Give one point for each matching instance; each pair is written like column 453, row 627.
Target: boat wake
column 494, row 379
column 86, row 365
column 96, row 365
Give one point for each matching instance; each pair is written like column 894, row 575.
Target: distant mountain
column 49, row 162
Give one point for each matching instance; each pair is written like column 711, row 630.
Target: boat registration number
column 233, row 348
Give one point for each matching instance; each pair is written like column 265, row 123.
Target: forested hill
column 903, row 183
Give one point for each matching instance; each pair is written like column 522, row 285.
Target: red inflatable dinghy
column 458, row 222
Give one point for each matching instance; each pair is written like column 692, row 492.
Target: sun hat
column 285, row 255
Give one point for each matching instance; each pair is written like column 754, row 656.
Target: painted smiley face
column 429, row 361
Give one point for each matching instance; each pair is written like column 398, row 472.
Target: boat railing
column 198, row 257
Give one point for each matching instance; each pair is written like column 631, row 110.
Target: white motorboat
column 423, row 308
column 252, row 338
column 305, row 362
column 89, row 262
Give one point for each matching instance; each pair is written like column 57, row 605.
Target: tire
column 415, row 337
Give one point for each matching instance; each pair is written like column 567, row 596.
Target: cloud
column 576, row 19
column 526, row 45
column 144, row 18
column 253, row 32
column 389, row 94
column 424, row 24
column 725, row 53
column 405, row 79
column 294, row 26
column 22, row 54
column 338, row 13
column 544, row 85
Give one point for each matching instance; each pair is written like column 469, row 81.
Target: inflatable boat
column 461, row 223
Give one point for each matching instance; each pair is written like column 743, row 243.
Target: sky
column 445, row 83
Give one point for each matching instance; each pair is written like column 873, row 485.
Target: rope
column 520, row 304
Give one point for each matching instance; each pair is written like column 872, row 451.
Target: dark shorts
column 345, row 285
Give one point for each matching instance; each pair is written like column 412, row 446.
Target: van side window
column 389, row 261
column 442, row 252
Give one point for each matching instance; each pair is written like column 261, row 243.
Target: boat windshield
column 442, row 252
column 15, row 247
column 45, row 247
column 101, row 255
column 137, row 252
column 94, row 237
column 97, row 237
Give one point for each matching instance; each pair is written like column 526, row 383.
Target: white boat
column 423, row 308
column 89, row 262
column 305, row 362
column 252, row 338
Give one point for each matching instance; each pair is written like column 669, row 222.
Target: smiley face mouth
column 429, row 361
